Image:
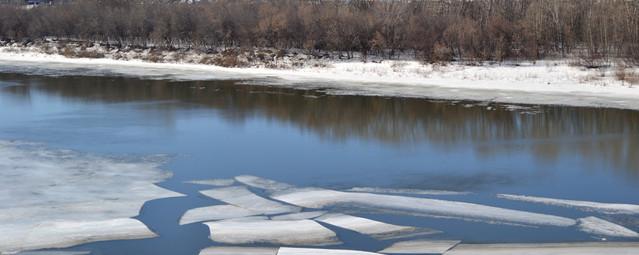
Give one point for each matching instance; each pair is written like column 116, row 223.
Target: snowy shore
column 555, row 82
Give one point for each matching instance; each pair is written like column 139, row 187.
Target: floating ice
column 293, row 232
column 57, row 198
column 598, row 226
column 216, row 212
column 54, row 253
column 239, row 251
column 405, row 191
column 305, row 251
column 299, row 216
column 214, row 182
column 606, row 208
column 547, row 249
column 371, row 227
column 319, row 198
column 421, row 247
column 262, row 183
column 242, row 197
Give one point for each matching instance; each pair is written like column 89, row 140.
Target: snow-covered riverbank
column 543, row 82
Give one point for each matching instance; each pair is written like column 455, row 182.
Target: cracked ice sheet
column 213, row 182
column 263, row 183
column 598, row 226
column 613, row 248
column 306, row 251
column 299, row 216
column 606, row 208
column 373, row 228
column 292, row 232
column 405, row 191
column 59, row 198
column 242, row 197
column 239, row 251
column 216, row 212
column 421, row 247
column 319, row 198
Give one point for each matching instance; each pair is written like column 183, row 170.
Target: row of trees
column 431, row 29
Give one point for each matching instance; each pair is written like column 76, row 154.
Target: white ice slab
column 370, row 227
column 214, row 182
column 307, row 251
column 216, row 212
column 405, row 191
column 299, row 216
column 607, row 208
column 294, row 232
column 319, row 198
column 239, row 251
column 54, row 253
column 262, row 183
column 421, row 247
column 242, row 197
column 598, row 226
column 59, row 198
column 612, row 248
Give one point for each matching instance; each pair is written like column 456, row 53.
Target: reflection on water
column 609, row 135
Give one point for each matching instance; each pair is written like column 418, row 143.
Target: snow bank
column 291, row 232
column 606, row 208
column 600, row 227
column 214, row 182
column 547, row 249
column 305, row 251
column 239, row 251
column 242, row 197
column 421, row 247
column 370, row 227
column 544, row 82
column 405, row 191
column 319, row 198
column 58, row 198
column 216, row 212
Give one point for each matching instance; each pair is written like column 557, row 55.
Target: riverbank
column 558, row 82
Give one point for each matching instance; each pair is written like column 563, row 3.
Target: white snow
column 607, row 208
column 299, row 216
column 600, row 227
column 370, row 227
column 214, row 182
column 215, row 212
column 239, row 251
column 544, row 82
column 262, row 183
column 242, row 197
column 60, row 198
column 405, row 191
column 319, row 198
column 616, row 248
column 291, row 232
column 306, row 251
column 421, row 247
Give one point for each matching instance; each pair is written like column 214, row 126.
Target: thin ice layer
column 612, row 248
column 242, row 197
column 319, row 198
column 405, row 191
column 215, row 212
column 214, row 182
column 65, row 198
column 307, row 251
column 299, row 216
column 371, row 227
column 607, row 208
column 598, row 226
column 421, row 247
column 239, row 251
column 262, row 183
column 294, row 232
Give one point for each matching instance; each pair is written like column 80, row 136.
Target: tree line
column 432, row 30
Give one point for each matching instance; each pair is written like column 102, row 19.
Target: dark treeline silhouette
column 432, row 30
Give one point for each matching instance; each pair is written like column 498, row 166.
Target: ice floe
column 262, row 183
column 598, row 226
column 239, row 251
column 320, row 198
column 54, row 253
column 421, row 247
column 290, row 232
column 299, row 216
column 306, row 251
column 607, row 208
column 405, row 191
column 215, row 212
column 242, row 197
column 370, row 227
column 616, row 248
column 214, row 182
column 60, row 198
